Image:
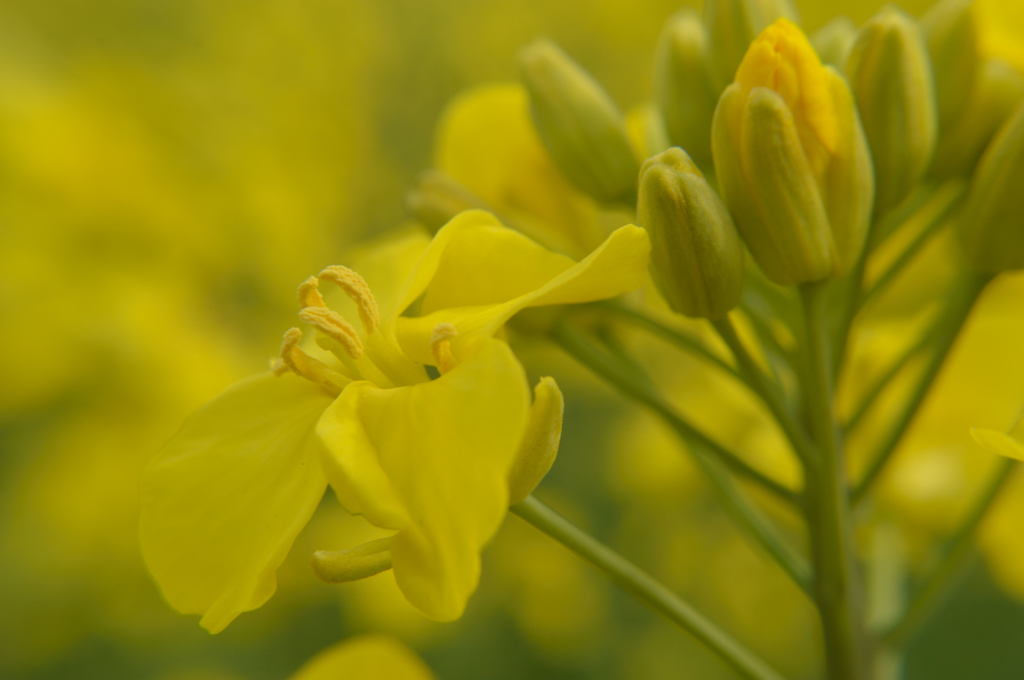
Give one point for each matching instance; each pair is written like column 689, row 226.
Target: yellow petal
column 445, row 448
column 539, row 444
column 476, row 260
column 364, row 657
column 479, row 274
column 998, row 442
column 223, row 502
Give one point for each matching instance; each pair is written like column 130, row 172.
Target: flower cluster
column 788, row 191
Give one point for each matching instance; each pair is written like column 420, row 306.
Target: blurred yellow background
column 169, row 171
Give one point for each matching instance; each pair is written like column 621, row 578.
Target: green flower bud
column 952, row 37
column 998, row 90
column 992, row 221
column 682, row 86
column 732, row 25
column 792, row 161
column 438, row 198
column 579, row 124
column 834, row 40
column 891, row 79
column 696, row 254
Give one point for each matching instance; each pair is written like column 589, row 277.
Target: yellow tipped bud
column 792, row 160
column 992, row 221
column 579, row 124
column 696, row 254
column 682, row 85
column 438, row 198
column 891, row 78
column 539, row 445
column 952, row 38
column 732, row 25
column 363, row 561
column 998, row 90
column 834, row 40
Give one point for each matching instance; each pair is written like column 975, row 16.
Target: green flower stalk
column 579, row 123
column 891, row 78
column 696, row 254
column 792, row 160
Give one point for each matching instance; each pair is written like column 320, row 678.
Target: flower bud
column 891, row 79
column 579, row 124
column 438, row 198
column 992, row 221
column 539, row 445
column 682, row 85
column 696, row 254
column 834, row 40
column 952, row 39
column 998, row 90
column 792, row 161
column 732, row 25
column 354, row 564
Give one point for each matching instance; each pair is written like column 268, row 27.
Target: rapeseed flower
column 436, row 461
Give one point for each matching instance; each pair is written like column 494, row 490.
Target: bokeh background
column 169, row 171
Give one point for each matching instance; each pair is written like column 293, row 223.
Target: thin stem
column 946, row 334
column 768, row 391
column 584, row 352
column 950, row 198
column 837, row 584
column 956, row 555
column 881, row 228
column 677, row 338
column 736, row 503
column 645, row 588
column 884, row 380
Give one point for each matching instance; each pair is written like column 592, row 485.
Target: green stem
column 949, row 198
column 768, row 391
column 954, row 558
column 736, row 503
column 645, row 588
column 584, row 352
column 675, row 337
column 945, row 334
column 872, row 393
column 837, row 584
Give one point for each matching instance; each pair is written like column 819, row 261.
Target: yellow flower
column 366, row 656
column 430, row 460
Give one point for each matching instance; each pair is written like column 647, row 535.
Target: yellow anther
column 301, row 364
column 441, row 346
column 335, row 327
column 355, row 287
column 309, row 293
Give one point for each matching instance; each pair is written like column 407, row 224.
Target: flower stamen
column 301, row 364
column 441, row 346
column 309, row 293
column 358, row 290
column 334, row 326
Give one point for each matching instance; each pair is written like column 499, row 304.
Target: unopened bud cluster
column 791, row 148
